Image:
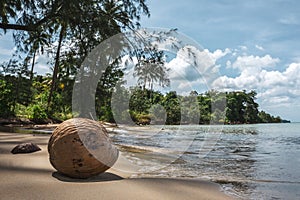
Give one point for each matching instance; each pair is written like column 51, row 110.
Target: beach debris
column 25, row 148
column 81, row 148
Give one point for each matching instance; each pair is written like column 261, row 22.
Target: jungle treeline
column 25, row 98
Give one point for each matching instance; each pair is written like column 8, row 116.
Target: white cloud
column 191, row 69
column 41, row 66
column 178, row 68
column 42, row 69
column 279, row 100
column 186, row 69
column 244, row 62
column 264, row 80
column 293, row 71
column 274, row 88
column 259, row 47
column 194, row 69
column 190, row 62
column 243, row 48
column 217, row 54
column 128, row 63
column 228, row 64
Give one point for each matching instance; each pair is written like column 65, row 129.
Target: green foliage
column 172, row 105
column 143, row 106
column 6, row 99
column 41, row 25
column 204, row 102
column 241, row 107
column 37, row 112
column 21, row 111
column 140, row 100
column 151, row 69
column 157, row 114
column 143, row 119
column 267, row 118
column 15, row 75
column 106, row 114
column 211, row 107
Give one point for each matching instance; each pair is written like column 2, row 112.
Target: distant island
column 152, row 107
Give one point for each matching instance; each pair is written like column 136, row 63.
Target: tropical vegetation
column 66, row 31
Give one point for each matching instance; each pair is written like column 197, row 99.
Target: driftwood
column 81, row 148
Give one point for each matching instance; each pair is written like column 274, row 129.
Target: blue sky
column 255, row 45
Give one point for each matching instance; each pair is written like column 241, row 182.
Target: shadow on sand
column 106, row 176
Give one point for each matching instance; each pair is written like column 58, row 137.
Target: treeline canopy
column 66, row 30
column 212, row 107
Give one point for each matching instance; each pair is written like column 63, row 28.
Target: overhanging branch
column 30, row 27
column 17, row 27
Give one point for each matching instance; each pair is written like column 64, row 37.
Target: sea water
column 260, row 161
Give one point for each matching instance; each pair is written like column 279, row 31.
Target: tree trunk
column 56, row 67
column 32, row 67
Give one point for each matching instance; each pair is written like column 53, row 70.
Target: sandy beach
column 30, row 176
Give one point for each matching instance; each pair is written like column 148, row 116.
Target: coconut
column 81, row 148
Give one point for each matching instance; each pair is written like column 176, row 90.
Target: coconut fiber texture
column 81, row 148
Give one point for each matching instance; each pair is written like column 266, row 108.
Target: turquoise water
column 259, row 161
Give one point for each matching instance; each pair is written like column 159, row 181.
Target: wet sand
column 30, row 176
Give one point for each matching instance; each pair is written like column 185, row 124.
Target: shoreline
column 27, row 123
column 31, row 176
column 48, row 128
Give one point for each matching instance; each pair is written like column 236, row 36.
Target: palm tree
column 35, row 44
column 83, row 23
column 150, row 70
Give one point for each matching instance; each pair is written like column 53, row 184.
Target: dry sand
column 30, row 176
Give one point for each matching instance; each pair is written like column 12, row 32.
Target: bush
column 6, row 99
column 143, row 119
column 22, row 111
column 37, row 113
